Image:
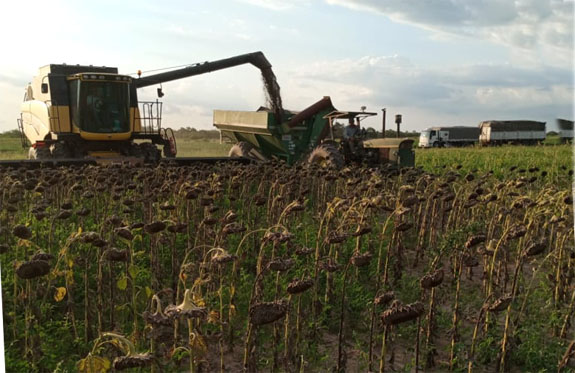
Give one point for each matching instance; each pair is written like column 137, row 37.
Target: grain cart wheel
column 326, row 155
column 39, row 153
column 243, row 149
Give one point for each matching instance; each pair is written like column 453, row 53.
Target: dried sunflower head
column 41, row 255
column 516, row 231
column 474, row 240
column 158, row 318
column 500, row 303
column 155, row 227
column 402, row 313
column 32, row 269
column 125, row 233
column 329, row 265
column 232, row 228
column 335, row 237
column 133, row 361
column 361, row 230
column 361, row 260
column 404, row 226
column 384, row 299
column 22, row 231
column 303, row 251
column 267, row 312
column 222, row 257
column 536, row 247
column 281, row 264
column 116, row 255
column 298, row 286
column 432, row 280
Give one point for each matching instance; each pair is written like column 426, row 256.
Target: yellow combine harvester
column 78, row 111
column 73, row 112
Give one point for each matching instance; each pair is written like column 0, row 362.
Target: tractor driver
column 351, row 130
column 350, row 135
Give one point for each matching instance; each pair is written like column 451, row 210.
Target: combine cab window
column 100, row 107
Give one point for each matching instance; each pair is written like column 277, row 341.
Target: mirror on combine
column 44, row 88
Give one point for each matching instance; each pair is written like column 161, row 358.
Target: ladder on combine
column 168, row 135
column 23, row 138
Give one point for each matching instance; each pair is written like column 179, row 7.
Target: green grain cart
column 307, row 135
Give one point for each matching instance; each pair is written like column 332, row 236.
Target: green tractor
column 309, row 136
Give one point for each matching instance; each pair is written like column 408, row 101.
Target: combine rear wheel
column 39, row 153
column 326, row 155
column 244, row 150
column 150, row 152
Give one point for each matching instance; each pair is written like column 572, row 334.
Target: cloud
column 543, row 27
column 464, row 94
column 277, row 5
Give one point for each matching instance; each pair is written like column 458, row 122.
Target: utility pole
column 383, row 124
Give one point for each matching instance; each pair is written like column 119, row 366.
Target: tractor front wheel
column 326, row 155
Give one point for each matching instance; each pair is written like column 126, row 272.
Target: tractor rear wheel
column 242, row 149
column 326, row 155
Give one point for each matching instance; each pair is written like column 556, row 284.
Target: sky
column 436, row 62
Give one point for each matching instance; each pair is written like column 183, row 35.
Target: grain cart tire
column 326, row 155
column 39, row 153
column 242, row 150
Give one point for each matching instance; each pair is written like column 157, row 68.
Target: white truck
column 565, row 130
column 438, row 137
column 526, row 132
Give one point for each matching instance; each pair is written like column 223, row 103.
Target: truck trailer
column 525, row 132
column 438, row 137
column 565, row 130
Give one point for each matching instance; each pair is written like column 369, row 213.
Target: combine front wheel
column 61, row 151
column 39, row 153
